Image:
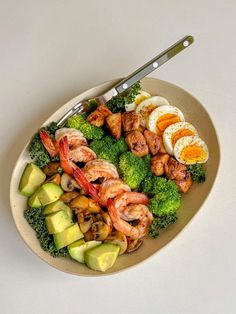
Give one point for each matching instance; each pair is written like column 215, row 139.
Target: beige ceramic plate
column 191, row 202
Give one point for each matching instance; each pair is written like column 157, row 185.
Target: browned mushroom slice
column 93, row 207
column 69, row 196
column 86, row 224
column 118, row 238
column 51, row 168
column 88, row 236
column 133, row 245
column 68, row 184
column 56, row 178
column 100, row 230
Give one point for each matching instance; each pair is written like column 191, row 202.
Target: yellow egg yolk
column 181, row 133
column 166, row 120
column 193, row 153
column 140, row 98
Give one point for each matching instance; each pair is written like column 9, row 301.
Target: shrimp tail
column 48, row 143
column 66, row 164
column 88, row 187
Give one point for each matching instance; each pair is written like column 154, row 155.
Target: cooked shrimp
column 71, row 168
column 48, row 143
column 75, row 137
column 123, row 200
column 111, row 188
column 134, row 232
column 99, row 168
column 82, row 154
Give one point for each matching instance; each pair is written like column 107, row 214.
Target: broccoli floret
column 91, row 132
column 198, row 173
column 109, row 149
column 161, row 223
column 36, row 149
column 117, row 103
column 133, row 168
column 166, row 197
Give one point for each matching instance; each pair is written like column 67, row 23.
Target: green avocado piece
column 33, row 201
column 102, row 257
column 49, row 193
column 78, row 248
column 67, row 236
column 57, row 222
column 56, row 206
column 31, row 179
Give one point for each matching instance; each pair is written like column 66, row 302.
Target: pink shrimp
column 71, row 168
column 140, row 212
column 99, row 168
column 111, row 188
column 50, row 146
column 123, row 200
column 74, row 136
column 82, row 154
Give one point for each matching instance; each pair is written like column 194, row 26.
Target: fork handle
column 154, row 64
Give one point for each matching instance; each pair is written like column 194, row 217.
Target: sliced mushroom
column 88, row 236
column 93, row 207
column 69, row 196
column 56, row 178
column 80, row 202
column 51, row 168
column 133, row 245
column 86, row 224
column 68, row 183
column 119, row 238
column 100, row 230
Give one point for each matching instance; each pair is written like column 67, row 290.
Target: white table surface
column 51, row 51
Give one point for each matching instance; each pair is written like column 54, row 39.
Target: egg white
column 160, row 111
column 171, row 130
column 186, row 141
column 144, row 107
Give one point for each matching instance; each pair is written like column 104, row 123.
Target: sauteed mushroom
column 69, row 196
column 100, row 230
column 68, row 183
column 51, row 168
column 56, row 178
column 119, row 238
column 133, row 245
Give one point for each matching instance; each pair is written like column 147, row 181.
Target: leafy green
column 109, row 149
column 117, row 103
column 37, row 151
column 133, row 168
column 91, row 132
column 198, row 173
column 36, row 220
column 161, row 223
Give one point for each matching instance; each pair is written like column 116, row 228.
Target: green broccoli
column 117, row 103
column 90, row 131
column 133, row 168
column 37, row 151
column 198, row 173
column 109, row 149
column 161, row 223
column 166, row 196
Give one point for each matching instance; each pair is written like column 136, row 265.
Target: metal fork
column 134, row 77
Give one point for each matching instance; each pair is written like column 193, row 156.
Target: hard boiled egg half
column 191, row 150
column 138, row 99
column 162, row 117
column 148, row 105
column 174, row 132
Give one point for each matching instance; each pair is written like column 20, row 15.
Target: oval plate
column 191, row 202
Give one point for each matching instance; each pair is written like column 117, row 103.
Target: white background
column 50, row 51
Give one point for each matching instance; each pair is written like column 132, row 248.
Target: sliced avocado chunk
column 58, row 222
column 78, row 248
column 49, row 193
column 33, row 201
column 56, row 206
column 68, row 236
column 31, row 179
column 101, row 257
